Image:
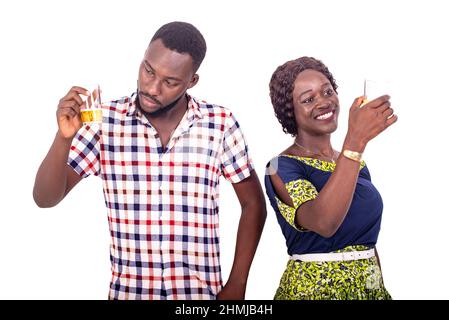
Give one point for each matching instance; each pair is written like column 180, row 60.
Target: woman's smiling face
column 315, row 103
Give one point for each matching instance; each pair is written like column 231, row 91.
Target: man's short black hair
column 183, row 37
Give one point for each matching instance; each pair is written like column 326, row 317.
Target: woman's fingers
column 391, row 120
column 357, row 102
column 388, row 112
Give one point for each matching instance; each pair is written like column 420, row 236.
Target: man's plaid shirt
column 163, row 204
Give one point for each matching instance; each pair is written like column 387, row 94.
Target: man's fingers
column 72, row 96
column 74, row 93
column 80, row 90
column 67, row 111
column 92, row 99
column 70, row 104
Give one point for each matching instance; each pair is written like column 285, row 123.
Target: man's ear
column 194, row 81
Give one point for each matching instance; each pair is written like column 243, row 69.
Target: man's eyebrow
column 167, row 78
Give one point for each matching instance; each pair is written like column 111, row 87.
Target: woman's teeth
column 325, row 116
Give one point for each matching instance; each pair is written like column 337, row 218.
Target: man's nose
column 153, row 87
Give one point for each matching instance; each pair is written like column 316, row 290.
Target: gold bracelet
column 353, row 155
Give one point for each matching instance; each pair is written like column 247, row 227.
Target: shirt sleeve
column 84, row 155
column 236, row 164
column 300, row 189
column 364, row 172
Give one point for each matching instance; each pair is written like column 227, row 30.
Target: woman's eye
column 308, row 100
column 329, row 92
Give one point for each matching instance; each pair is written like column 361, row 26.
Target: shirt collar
column 193, row 108
column 132, row 107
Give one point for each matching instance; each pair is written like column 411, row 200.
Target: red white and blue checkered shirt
column 163, row 204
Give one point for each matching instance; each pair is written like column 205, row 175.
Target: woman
column 327, row 207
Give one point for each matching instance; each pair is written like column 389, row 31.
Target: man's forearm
column 51, row 178
column 249, row 231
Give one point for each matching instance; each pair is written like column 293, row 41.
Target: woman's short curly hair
column 282, row 85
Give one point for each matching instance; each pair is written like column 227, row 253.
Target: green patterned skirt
column 333, row 280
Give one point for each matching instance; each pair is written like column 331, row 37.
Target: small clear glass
column 373, row 89
column 91, row 110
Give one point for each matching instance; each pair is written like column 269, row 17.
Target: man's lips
column 150, row 100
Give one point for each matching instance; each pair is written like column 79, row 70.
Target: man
column 160, row 154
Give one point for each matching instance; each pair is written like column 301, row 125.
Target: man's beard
column 159, row 112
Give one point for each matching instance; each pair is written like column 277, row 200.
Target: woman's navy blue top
column 304, row 178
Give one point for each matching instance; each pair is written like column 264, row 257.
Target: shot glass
column 91, row 110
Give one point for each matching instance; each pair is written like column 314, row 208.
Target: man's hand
column 232, row 291
column 68, row 112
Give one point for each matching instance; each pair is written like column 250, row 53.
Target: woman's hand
column 366, row 122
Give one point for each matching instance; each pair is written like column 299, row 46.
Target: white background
column 48, row 46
